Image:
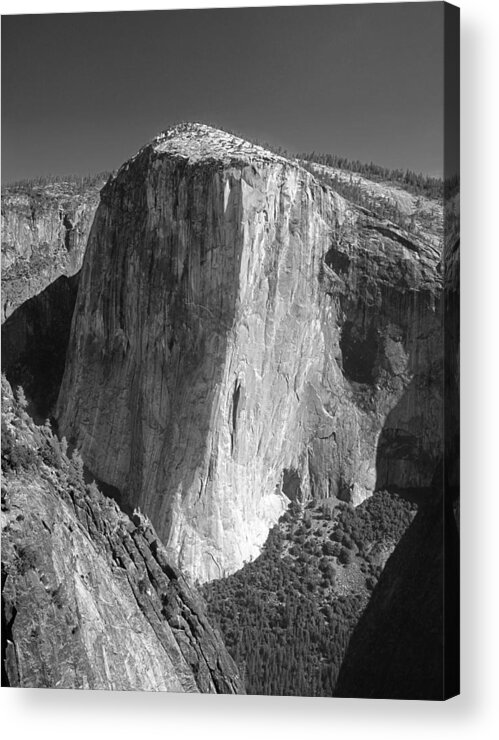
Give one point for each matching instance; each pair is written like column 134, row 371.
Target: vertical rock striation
column 243, row 335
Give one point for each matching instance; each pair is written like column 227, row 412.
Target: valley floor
column 287, row 617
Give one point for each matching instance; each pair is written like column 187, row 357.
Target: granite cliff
column 90, row 598
column 244, row 335
column 45, row 228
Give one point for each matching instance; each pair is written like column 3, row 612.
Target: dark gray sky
column 82, row 92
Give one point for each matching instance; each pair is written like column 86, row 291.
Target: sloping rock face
column 89, row 597
column 238, row 326
column 406, row 644
column 44, row 234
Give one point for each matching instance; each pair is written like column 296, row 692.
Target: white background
column 80, row 715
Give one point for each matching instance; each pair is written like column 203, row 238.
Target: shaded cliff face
column 34, row 343
column 452, row 346
column 243, row 335
column 44, row 234
column 89, row 597
column 397, row 649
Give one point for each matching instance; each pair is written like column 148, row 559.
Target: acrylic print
column 230, row 351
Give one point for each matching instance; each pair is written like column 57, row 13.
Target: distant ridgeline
column 40, row 186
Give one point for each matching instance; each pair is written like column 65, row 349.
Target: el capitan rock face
column 243, row 334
